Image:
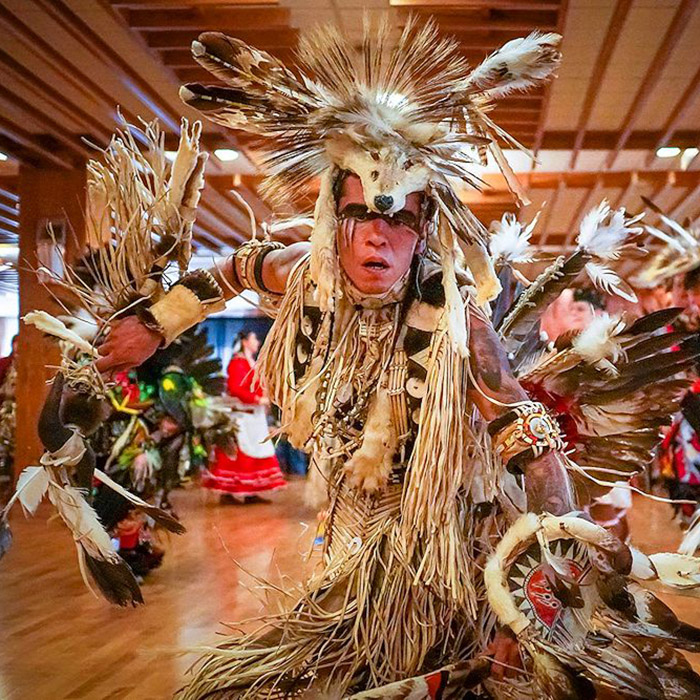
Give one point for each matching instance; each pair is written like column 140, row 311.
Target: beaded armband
column 248, row 263
column 525, row 433
column 190, row 300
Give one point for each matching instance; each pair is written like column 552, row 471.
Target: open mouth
column 375, row 265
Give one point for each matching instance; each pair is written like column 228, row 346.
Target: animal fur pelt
column 403, row 117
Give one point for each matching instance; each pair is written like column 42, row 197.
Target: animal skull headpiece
column 404, row 119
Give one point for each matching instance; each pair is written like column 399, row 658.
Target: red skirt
column 243, row 475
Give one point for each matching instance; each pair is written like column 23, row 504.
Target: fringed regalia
column 428, row 544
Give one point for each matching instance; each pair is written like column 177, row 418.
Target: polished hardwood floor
column 59, row 642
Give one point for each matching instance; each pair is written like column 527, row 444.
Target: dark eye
column 358, row 212
column 406, row 218
column 374, row 175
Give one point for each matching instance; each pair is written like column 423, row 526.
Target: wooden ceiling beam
column 679, row 111
column 544, row 224
column 589, row 200
column 496, row 184
column 81, row 32
column 26, row 140
column 460, row 19
column 492, row 5
column 690, row 197
column 562, row 10
column 209, row 18
column 680, row 21
column 613, row 33
column 95, row 127
column 261, row 38
column 9, row 209
column 40, row 47
column 626, row 190
column 607, row 140
column 183, row 4
column 68, row 139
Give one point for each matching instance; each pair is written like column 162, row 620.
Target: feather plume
column 603, row 233
column 517, row 65
column 510, row 240
column 609, row 281
column 599, row 343
column 691, row 540
column 32, row 486
column 52, row 326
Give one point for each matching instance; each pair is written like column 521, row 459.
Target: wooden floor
column 58, row 642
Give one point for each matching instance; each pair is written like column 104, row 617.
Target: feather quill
column 52, row 326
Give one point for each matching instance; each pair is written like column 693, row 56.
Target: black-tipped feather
column 115, row 580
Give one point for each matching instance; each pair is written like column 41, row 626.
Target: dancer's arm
column 130, row 341
column 546, row 480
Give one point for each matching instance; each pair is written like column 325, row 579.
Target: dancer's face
column 251, row 343
column 374, row 251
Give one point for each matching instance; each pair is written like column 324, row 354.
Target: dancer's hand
column 128, row 344
column 505, row 653
column 548, row 487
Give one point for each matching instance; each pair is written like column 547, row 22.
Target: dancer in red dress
column 254, row 470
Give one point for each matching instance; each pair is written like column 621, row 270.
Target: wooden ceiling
column 629, row 83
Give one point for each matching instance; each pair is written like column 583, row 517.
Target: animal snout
column 383, row 202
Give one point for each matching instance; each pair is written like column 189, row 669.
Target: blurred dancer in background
column 254, row 470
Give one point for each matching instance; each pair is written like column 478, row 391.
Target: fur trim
column 324, row 258
column 371, row 464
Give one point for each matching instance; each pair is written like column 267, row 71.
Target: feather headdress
column 403, row 117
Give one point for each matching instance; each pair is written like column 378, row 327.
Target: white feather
column 510, row 241
column 81, row 520
column 603, row 232
column 610, row 282
column 691, row 539
column 518, row 64
column 675, row 226
column 31, row 488
column 669, row 240
column 598, row 344
column 52, row 326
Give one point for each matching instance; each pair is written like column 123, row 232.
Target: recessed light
column 668, row 152
column 3, row 156
column 170, row 155
column 688, row 156
column 226, row 155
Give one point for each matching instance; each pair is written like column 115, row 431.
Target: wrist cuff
column 189, row 301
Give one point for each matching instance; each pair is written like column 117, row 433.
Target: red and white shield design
column 533, row 593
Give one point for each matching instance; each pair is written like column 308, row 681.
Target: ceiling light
column 226, row 155
column 688, row 157
column 668, row 152
column 170, row 155
column 3, row 156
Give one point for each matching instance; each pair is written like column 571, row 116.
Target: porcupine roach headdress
column 404, row 119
